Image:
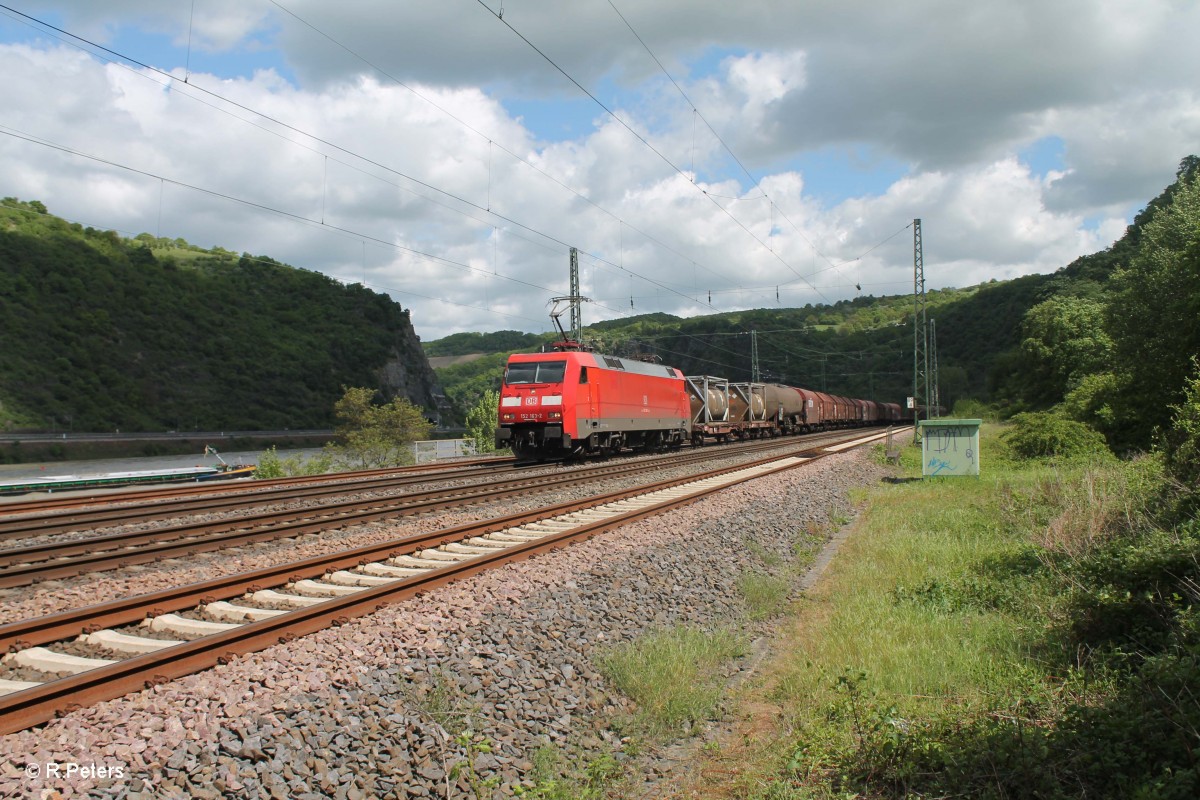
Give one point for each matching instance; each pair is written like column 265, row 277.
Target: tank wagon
column 573, row 402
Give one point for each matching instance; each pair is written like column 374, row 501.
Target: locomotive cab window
column 583, row 375
column 535, row 372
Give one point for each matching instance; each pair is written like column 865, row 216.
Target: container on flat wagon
column 747, row 402
column 709, row 399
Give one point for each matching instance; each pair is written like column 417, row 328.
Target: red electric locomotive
column 572, row 402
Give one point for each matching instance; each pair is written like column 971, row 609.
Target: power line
column 263, row 207
column 459, row 199
column 755, row 181
column 485, row 136
column 463, row 200
column 646, row 142
column 272, row 262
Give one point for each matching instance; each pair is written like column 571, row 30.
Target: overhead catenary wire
column 757, row 183
column 124, row 58
column 486, row 208
column 271, row 262
column 492, row 141
column 647, row 143
column 263, row 207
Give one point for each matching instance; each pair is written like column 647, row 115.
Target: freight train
column 572, row 403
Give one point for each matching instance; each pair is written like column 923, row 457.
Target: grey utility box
column 949, row 446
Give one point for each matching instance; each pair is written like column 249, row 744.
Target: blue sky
column 854, row 120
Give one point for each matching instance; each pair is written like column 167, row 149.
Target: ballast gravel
column 54, row 596
column 448, row 695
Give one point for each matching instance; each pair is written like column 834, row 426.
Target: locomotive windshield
column 535, row 372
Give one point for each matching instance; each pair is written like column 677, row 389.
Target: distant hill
column 462, row 344
column 448, row 361
column 101, row 332
column 860, row 348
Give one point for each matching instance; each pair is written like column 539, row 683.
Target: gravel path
column 435, row 696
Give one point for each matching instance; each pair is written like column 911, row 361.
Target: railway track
column 107, row 516
column 55, row 559
column 210, row 624
column 80, row 499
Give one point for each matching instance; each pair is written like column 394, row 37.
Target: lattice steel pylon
column 576, row 310
column 755, row 374
column 935, row 395
column 920, row 332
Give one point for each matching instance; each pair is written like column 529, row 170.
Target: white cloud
column 365, row 171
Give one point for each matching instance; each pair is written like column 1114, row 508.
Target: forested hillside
column 1116, row 340
column 1110, row 335
column 101, row 332
column 1109, row 338
column 860, row 348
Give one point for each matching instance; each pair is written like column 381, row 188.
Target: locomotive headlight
column 508, row 417
column 555, row 415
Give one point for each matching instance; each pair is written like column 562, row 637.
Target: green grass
column 764, row 555
column 675, row 676
column 765, row 595
column 1027, row 633
column 925, row 614
column 560, row 775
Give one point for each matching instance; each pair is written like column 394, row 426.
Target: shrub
column 1090, row 401
column 270, row 465
column 1181, row 451
column 1047, row 435
column 481, row 422
column 969, row 408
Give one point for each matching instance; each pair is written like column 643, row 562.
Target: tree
column 1063, row 340
column 371, row 436
column 1154, row 314
column 481, row 422
column 1182, row 443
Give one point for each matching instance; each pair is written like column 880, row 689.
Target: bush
column 481, row 422
column 1090, row 401
column 1181, row 451
column 969, row 408
column 1129, row 595
column 1047, row 435
column 270, row 465
column 371, row 436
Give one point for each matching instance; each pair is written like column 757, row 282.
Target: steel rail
column 110, row 515
column 67, row 559
column 75, row 500
column 24, row 709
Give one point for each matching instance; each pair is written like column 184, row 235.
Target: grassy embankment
column 1031, row 633
column 1026, row 634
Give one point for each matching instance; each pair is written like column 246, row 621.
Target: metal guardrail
column 436, row 449
column 118, row 436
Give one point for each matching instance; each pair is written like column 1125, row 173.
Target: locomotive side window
column 583, row 375
column 535, row 372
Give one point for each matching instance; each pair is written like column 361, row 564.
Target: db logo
column 531, row 401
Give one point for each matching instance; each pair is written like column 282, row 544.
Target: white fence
column 436, row 449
